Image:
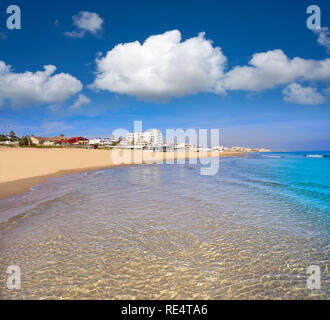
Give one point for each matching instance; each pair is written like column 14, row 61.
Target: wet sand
column 22, row 168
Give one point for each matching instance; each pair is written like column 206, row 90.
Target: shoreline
column 21, row 169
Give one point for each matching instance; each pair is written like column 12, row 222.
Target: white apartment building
column 101, row 141
column 219, row 148
column 148, row 138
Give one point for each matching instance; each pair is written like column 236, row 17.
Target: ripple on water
column 164, row 232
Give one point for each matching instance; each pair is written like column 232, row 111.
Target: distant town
column 147, row 140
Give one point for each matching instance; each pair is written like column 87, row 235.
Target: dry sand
column 22, row 168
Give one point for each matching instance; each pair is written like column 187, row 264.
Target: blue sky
column 284, row 107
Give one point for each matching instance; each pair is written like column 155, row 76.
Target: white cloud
column 162, row 67
column 295, row 93
column 75, row 34
column 82, row 99
column 323, row 37
column 85, row 22
column 36, row 87
column 272, row 68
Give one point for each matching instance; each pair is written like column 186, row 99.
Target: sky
column 249, row 68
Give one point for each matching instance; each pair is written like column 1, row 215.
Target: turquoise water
column 303, row 177
column 293, row 180
column 166, row 232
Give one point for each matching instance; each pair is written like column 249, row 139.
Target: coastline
column 170, row 223
column 23, row 168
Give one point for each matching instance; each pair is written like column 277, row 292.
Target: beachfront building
column 184, row 146
column 45, row 141
column 7, row 139
column 72, row 141
column 168, row 146
column 219, row 148
column 101, row 141
column 151, row 138
column 244, row 149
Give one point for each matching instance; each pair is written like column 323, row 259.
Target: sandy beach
column 22, row 168
column 166, row 231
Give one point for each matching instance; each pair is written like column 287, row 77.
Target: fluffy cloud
column 36, row 87
column 162, row 67
column 85, row 22
column 82, row 99
column 272, row 68
column 323, row 37
column 295, row 93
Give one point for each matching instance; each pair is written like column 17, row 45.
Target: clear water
column 166, row 232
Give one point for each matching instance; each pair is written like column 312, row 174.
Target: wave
column 267, row 156
column 267, row 183
column 316, row 156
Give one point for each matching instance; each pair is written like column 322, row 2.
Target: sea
column 257, row 229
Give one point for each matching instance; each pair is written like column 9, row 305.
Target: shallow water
column 166, row 232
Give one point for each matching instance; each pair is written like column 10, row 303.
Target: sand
column 22, row 168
